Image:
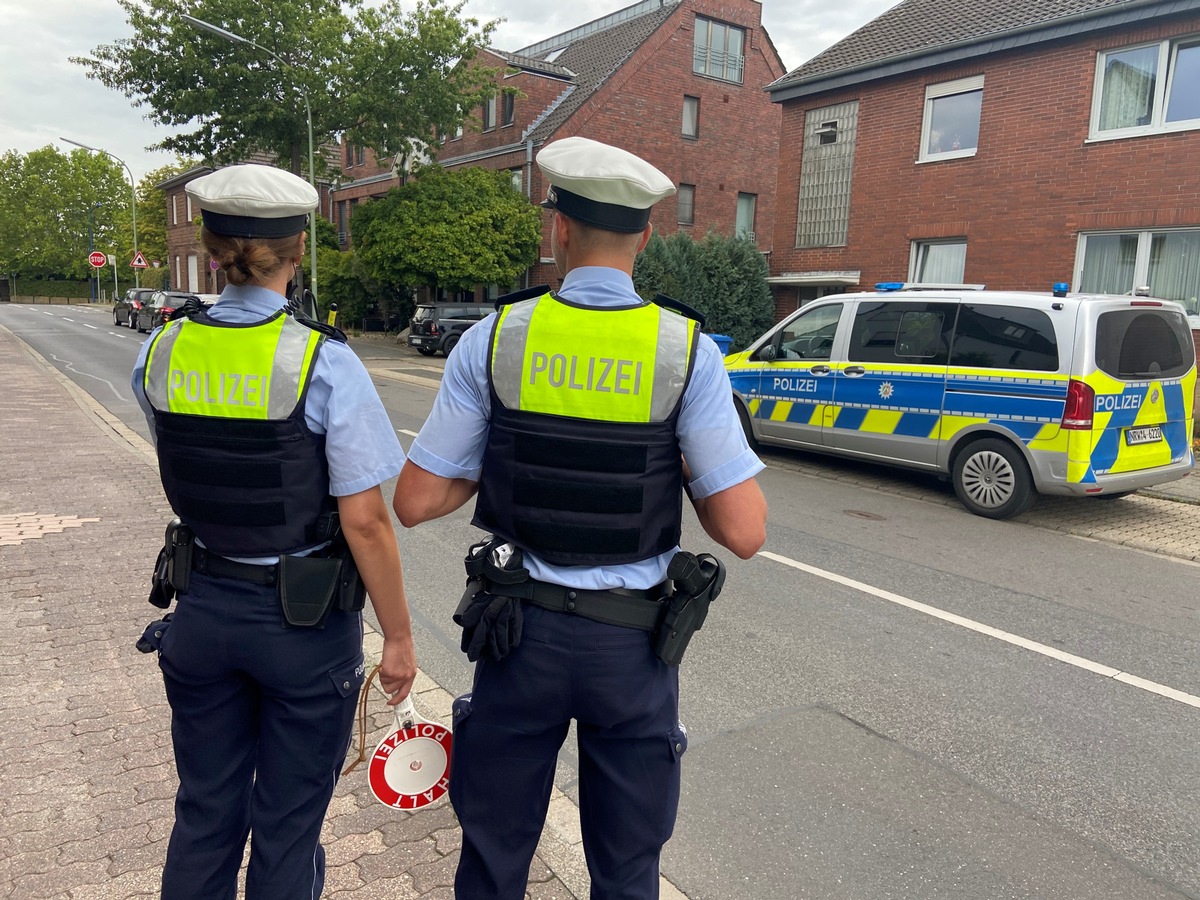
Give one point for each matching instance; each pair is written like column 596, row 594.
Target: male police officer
column 269, row 431
column 578, row 416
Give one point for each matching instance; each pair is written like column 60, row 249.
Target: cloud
column 43, row 96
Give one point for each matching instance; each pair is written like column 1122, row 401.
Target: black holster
column 697, row 583
column 173, row 568
column 311, row 586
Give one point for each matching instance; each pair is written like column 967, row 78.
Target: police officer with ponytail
column 580, row 417
column 272, row 446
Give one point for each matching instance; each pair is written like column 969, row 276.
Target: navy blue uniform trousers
column 507, row 734
column 260, row 720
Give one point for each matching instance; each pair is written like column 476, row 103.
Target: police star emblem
column 886, row 390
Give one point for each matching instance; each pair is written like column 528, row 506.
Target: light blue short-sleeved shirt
column 452, row 441
column 360, row 443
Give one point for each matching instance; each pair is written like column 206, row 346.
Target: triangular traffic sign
column 139, row 261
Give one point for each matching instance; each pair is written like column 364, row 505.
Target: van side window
column 1143, row 343
column 810, row 334
column 896, row 332
column 1004, row 337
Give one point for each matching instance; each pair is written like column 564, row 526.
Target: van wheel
column 744, row 418
column 451, row 343
column 992, row 480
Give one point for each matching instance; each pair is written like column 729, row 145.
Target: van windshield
column 1144, row 343
column 423, row 314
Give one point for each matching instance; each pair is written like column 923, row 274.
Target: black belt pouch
column 307, row 587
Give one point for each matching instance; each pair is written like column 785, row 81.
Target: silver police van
column 1008, row 393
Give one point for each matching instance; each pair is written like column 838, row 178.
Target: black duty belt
column 219, row 567
column 639, row 609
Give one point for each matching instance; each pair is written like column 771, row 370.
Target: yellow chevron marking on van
column 881, row 421
column 781, row 410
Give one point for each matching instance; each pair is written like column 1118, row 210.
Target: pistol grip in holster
column 697, row 582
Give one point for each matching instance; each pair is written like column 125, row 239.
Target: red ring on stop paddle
column 412, row 780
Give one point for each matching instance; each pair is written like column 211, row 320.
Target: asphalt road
column 896, row 700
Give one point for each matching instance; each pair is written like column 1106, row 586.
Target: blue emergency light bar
column 1061, row 288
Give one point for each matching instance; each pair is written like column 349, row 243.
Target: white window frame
column 489, row 114
column 691, row 194
column 1168, row 54
column 516, row 178
column 190, row 217
column 174, row 209
column 703, row 63
column 919, row 249
column 935, row 92
column 739, row 228
column 694, row 102
column 1141, row 265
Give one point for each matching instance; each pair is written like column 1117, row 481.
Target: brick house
column 678, row 82
column 187, row 261
column 1013, row 143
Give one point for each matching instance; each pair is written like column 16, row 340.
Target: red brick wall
column 1022, row 200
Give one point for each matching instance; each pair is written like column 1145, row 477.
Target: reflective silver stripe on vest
column 159, row 368
column 287, row 368
column 670, row 372
column 508, row 353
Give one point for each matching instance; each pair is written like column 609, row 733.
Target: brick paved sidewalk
column 87, row 781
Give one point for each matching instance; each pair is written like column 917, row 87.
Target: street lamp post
column 312, row 175
column 137, row 273
column 94, row 284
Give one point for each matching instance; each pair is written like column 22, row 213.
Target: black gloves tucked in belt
column 491, row 626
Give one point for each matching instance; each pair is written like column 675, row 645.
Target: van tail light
column 1081, row 404
column 433, row 328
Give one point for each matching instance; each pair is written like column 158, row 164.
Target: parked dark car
column 125, row 308
column 161, row 305
column 438, row 326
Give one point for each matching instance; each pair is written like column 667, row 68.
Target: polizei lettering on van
column 227, row 388
column 587, row 373
column 1116, row 402
column 796, row 385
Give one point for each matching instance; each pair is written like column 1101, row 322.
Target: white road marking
column 1016, row 640
column 67, row 319
column 93, row 327
column 406, row 431
column 46, row 312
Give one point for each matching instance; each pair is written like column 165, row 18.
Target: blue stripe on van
column 851, row 419
column 917, row 425
column 997, row 406
column 801, row 412
column 1026, row 431
column 1010, row 386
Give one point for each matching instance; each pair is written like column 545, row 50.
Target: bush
column 723, row 278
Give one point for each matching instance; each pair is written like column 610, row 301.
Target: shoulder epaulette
column 524, row 294
column 328, row 330
column 680, row 307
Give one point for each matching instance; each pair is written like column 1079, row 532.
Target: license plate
column 1147, row 435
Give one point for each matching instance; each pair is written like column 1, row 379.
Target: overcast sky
column 44, row 97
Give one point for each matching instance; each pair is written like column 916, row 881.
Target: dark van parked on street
column 438, row 326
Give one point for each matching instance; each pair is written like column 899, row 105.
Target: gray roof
column 919, row 33
column 592, row 59
column 530, row 64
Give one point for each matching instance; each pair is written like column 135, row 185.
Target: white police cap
column 599, row 185
column 253, row 201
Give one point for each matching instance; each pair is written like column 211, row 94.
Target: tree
column 386, row 78
column 449, row 229
column 48, row 203
column 724, row 278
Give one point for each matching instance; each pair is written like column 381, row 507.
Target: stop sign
column 98, row 259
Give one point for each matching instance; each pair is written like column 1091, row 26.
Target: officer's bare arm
column 372, row 539
column 421, row 495
column 736, row 518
